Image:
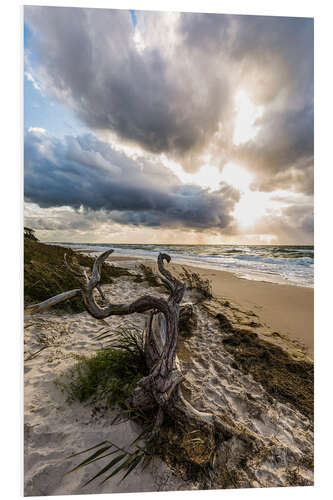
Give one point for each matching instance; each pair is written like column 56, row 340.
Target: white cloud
column 37, row 130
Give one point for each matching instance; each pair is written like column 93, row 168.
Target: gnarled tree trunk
column 161, row 389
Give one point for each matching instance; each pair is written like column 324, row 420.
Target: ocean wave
column 291, row 264
column 300, row 261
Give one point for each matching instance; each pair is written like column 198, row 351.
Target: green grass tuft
column 108, row 376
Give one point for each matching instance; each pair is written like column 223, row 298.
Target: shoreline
column 251, row 273
column 284, row 308
column 287, row 309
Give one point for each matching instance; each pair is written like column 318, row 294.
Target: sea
column 282, row 264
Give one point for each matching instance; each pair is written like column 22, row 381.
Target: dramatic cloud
column 91, row 62
column 295, row 223
column 169, row 84
column 87, row 174
column 282, row 153
column 271, row 58
column 196, row 97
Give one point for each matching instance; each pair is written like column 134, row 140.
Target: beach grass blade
column 143, row 433
column 91, row 458
column 88, row 449
column 135, row 461
column 106, row 468
column 118, row 469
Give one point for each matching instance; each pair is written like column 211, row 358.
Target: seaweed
column 286, row 379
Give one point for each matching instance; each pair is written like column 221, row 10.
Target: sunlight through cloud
column 247, row 113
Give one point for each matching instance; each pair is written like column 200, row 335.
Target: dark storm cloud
column 84, row 172
column 274, row 57
column 277, row 52
column 90, row 61
column 182, row 102
column 300, row 218
column 282, row 152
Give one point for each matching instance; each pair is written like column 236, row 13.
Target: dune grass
column 194, row 281
column 45, row 274
column 105, row 380
column 109, row 375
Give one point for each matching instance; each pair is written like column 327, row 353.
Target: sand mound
column 227, row 372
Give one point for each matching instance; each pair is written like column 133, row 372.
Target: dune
column 243, row 360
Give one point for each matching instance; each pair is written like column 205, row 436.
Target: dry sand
column 55, row 429
column 287, row 309
column 214, row 382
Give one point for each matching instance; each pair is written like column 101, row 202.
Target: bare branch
column 178, row 286
column 61, row 297
column 83, row 275
column 98, row 287
column 166, row 282
column 70, row 269
column 141, row 305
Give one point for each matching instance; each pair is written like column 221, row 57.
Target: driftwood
column 161, row 390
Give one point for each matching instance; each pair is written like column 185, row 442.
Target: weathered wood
column 61, row 297
column 161, row 389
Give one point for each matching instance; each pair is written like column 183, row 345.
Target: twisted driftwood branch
column 84, row 276
column 161, row 389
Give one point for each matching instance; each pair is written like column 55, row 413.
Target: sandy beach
column 269, row 324
column 285, row 308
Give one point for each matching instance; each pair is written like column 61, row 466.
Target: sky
column 151, row 127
